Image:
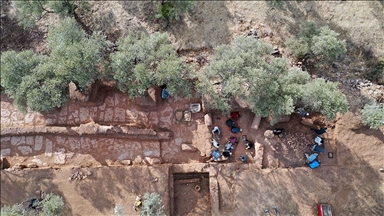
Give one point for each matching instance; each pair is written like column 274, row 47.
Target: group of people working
column 232, row 141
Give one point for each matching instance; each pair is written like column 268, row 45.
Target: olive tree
column 248, row 71
column 145, row 61
column 14, row 66
column 324, row 97
column 152, row 205
column 76, row 54
column 28, row 12
column 41, row 82
column 373, row 115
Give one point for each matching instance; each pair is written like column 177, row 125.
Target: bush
column 377, row 73
column 152, row 205
column 15, row 210
column 52, row 205
column 76, row 54
column 144, row 61
column 28, row 12
column 325, row 97
column 173, row 9
column 314, row 42
column 373, row 115
column 327, row 45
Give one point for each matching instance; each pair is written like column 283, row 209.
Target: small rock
column 126, row 162
column 307, row 122
column 152, row 161
column 188, row 147
column 138, row 160
column 269, row 134
column 32, row 165
column 17, row 166
column 268, row 31
column 109, row 162
column 89, row 173
column 382, row 170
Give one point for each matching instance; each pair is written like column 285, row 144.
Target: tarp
column 314, row 164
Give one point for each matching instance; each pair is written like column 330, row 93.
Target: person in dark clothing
column 248, row 144
column 230, row 123
column 236, row 130
column 319, row 132
column 278, row 131
column 227, row 153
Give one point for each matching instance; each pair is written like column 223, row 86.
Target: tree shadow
column 20, row 186
column 124, row 183
column 15, row 37
column 357, row 63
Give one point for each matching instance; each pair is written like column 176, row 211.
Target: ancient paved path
column 116, row 109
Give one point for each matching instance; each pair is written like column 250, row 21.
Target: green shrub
column 144, row 61
column 173, row 9
column 377, row 73
column 15, row 210
column 314, row 42
column 373, row 115
column 325, row 97
column 52, row 205
column 298, row 47
column 152, row 205
column 327, row 45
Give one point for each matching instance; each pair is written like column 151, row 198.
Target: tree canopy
column 246, row 70
column 144, row 61
column 30, row 11
column 325, row 97
column 41, row 82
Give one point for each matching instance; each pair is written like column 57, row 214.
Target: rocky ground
column 99, row 154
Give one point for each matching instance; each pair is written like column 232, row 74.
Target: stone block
column 208, row 119
column 38, row 143
column 256, row 122
column 5, row 152
column 60, row 158
column 31, row 165
column 48, row 148
column 126, row 162
column 269, row 134
column 188, row 147
column 152, row 161
column 25, row 150
column 17, row 140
